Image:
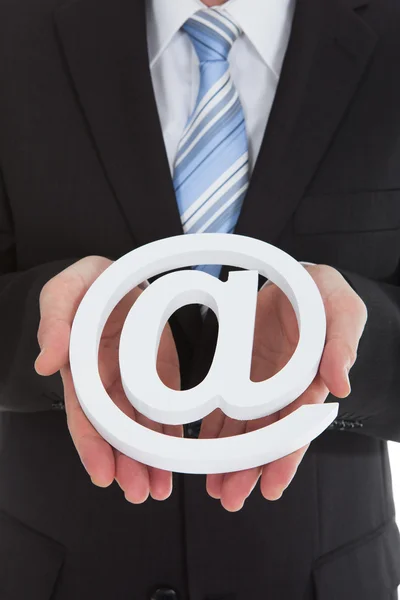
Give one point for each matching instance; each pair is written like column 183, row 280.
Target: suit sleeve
column 21, row 389
column 373, row 407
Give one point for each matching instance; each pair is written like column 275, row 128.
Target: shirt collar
column 267, row 24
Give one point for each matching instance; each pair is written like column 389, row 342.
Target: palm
column 59, row 301
column 275, row 339
column 130, row 474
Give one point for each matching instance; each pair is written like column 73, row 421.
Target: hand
column 275, row 339
column 59, row 302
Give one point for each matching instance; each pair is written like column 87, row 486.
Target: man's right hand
column 59, row 301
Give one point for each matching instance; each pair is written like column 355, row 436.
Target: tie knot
column 212, row 34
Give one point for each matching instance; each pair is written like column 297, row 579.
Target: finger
column 57, row 312
column 173, row 430
column 160, row 484
column 211, row 427
column 139, row 481
column 230, row 427
column 214, row 484
column 238, row 486
column 316, row 393
column 59, row 301
column 132, row 477
column 95, row 453
column 212, row 424
column 160, row 480
column 277, row 476
column 169, row 373
column 346, row 319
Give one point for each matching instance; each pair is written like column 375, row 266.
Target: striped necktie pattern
column 211, row 173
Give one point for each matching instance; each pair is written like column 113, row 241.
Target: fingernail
column 160, row 497
column 136, row 500
column 233, row 509
column 98, row 483
column 215, row 496
column 346, row 374
column 255, row 483
column 43, row 350
column 40, row 355
column 276, row 496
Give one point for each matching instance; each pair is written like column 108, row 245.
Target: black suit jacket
column 84, row 171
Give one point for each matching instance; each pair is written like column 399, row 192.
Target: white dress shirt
column 256, row 60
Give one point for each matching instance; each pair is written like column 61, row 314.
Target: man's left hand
column 275, row 339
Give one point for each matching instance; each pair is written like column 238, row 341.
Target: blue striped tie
column 211, row 174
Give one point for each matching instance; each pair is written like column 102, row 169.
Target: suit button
column 164, row 593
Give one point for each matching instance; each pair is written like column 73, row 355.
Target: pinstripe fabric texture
column 211, row 173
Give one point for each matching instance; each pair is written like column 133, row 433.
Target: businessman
column 127, row 121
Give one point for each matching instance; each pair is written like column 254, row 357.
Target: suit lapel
column 105, row 46
column 329, row 49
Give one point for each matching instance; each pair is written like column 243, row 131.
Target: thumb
column 59, row 301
